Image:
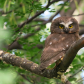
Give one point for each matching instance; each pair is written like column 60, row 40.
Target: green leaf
column 72, row 79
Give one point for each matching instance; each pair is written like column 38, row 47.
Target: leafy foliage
column 28, row 37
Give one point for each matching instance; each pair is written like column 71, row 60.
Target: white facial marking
column 63, row 48
column 60, row 56
column 23, row 62
column 49, row 64
column 67, row 45
column 66, row 24
column 50, row 43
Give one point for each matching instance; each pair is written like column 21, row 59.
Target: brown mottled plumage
column 64, row 32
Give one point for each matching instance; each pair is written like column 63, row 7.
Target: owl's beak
column 66, row 30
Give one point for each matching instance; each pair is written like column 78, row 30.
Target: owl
column 64, row 32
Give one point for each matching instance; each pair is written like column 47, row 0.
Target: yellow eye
column 61, row 26
column 70, row 26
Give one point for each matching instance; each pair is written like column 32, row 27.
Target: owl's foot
column 63, row 78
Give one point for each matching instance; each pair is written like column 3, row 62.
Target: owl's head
column 64, row 25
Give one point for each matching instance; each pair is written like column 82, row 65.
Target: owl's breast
column 60, row 42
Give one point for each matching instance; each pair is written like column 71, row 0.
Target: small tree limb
column 37, row 14
column 33, row 67
column 70, row 54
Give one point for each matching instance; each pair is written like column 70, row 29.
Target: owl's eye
column 61, row 26
column 70, row 26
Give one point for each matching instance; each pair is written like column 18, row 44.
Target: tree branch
column 33, row 67
column 81, row 25
column 81, row 32
column 70, row 54
column 37, row 14
column 32, row 82
column 50, row 19
column 76, row 72
column 16, row 45
column 78, row 14
column 72, row 7
column 79, row 80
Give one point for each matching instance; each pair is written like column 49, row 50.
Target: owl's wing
column 52, row 52
column 56, row 46
column 48, row 58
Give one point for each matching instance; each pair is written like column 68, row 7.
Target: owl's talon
column 63, row 78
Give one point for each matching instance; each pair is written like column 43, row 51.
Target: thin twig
column 80, row 79
column 81, row 32
column 76, row 72
column 81, row 25
column 50, row 19
column 48, row 1
column 58, row 11
column 37, row 14
column 78, row 14
column 26, row 78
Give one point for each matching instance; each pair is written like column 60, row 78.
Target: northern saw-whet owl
column 64, row 32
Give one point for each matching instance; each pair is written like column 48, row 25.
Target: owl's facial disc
column 67, row 26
